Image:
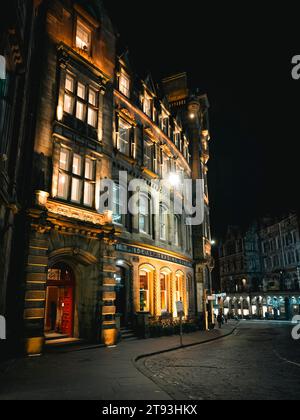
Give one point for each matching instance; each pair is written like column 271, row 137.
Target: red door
column 67, row 312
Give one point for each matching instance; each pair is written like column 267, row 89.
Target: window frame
column 88, row 30
column 71, row 175
column 84, row 102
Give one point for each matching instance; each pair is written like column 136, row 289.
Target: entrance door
column 121, row 301
column 59, row 316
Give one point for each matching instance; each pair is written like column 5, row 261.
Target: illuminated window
column 68, row 104
column 81, row 91
column 69, row 83
column 149, row 154
column 163, row 223
column 80, row 111
column 124, row 137
column 83, row 37
column 148, row 106
column 89, row 183
column 81, row 100
column 164, row 293
column 124, row 85
column 76, row 178
column 144, row 215
column 144, row 291
column 178, row 287
column 118, row 205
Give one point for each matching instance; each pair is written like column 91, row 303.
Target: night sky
column 241, row 57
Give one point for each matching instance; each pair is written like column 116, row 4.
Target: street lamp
column 174, row 179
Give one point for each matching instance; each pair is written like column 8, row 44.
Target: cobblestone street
column 260, row 361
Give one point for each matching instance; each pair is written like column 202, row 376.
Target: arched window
column 178, row 287
column 164, row 293
column 144, row 291
column 146, row 282
column 145, row 214
column 163, row 223
column 165, row 288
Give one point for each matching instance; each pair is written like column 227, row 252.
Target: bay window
column 76, row 178
column 124, row 137
column 81, row 101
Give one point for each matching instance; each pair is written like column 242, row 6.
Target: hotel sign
column 129, row 249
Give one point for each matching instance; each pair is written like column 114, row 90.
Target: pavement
column 260, row 361
column 100, row 374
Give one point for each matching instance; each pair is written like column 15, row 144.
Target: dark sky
column 241, row 57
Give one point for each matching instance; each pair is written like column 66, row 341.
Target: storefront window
column 164, row 294
column 144, row 292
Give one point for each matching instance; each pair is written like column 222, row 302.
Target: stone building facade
column 17, row 43
column 87, row 272
column 260, row 270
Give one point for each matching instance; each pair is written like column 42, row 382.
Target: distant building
column 260, row 270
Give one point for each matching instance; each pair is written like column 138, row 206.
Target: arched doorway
column 59, row 313
column 124, row 298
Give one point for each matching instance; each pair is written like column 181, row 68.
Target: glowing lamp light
column 174, row 179
column 192, row 116
column 60, row 113
column 213, row 242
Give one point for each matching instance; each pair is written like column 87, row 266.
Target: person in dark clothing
column 219, row 319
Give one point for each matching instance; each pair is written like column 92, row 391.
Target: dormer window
column 124, row 84
column 83, row 37
column 147, row 106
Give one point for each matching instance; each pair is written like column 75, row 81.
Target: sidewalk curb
column 185, row 346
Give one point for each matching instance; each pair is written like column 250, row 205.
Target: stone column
column 108, row 327
column 35, row 290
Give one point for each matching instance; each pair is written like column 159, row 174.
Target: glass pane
column 64, row 159
column 163, row 301
column 124, row 85
column 92, row 97
column 144, row 282
column 63, row 186
column 69, row 83
column 81, row 91
column 124, row 138
column 80, row 111
column 68, row 104
column 77, row 164
column 89, row 169
column 83, row 37
column 76, row 190
column 92, row 117
column 163, row 282
column 89, row 193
